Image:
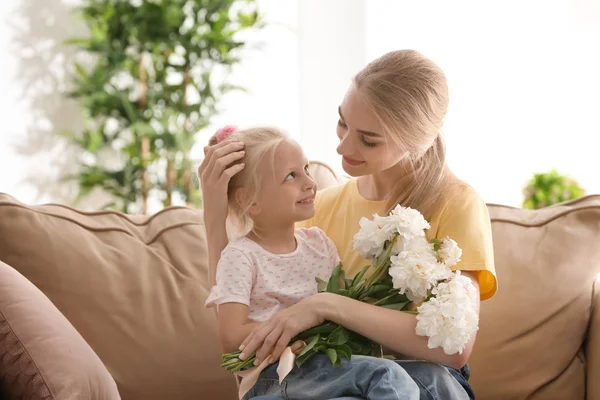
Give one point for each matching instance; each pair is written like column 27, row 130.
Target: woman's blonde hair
column 408, row 93
column 259, row 144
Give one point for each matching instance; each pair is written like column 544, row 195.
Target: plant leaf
column 321, row 285
column 311, row 343
column 332, row 354
column 344, row 350
column 334, row 280
column 338, row 337
column 396, row 306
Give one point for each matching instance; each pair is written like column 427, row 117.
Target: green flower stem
column 382, row 266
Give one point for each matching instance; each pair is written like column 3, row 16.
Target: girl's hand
column 274, row 335
column 215, row 173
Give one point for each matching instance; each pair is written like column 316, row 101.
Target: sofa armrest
column 592, row 346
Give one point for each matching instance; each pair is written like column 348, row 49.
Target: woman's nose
column 345, row 146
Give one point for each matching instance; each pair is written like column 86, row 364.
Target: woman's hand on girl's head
column 273, row 336
column 215, row 172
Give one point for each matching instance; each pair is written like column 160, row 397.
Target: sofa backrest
column 133, row 287
column 532, row 332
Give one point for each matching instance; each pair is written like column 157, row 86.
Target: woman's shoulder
column 459, row 195
column 332, row 193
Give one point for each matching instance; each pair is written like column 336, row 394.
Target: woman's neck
column 378, row 187
column 276, row 240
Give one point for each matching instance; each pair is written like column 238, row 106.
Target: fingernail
column 242, row 356
column 241, row 347
column 242, row 152
column 271, row 360
column 242, row 165
column 256, row 362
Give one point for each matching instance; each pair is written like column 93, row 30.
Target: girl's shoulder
column 314, row 237
column 241, row 245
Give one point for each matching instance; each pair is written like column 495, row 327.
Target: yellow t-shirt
column 464, row 217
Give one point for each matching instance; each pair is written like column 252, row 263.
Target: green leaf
column 344, row 350
column 309, row 345
column 360, row 275
column 305, row 357
column 334, row 280
column 324, row 328
column 374, row 290
column 321, row 285
column 333, row 357
column 338, row 337
column 437, row 244
column 397, row 306
column 355, row 347
column 343, row 279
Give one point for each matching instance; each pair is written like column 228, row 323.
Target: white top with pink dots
column 268, row 283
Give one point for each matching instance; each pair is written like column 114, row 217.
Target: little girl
column 273, row 266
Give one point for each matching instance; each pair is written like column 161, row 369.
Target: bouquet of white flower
column 408, row 274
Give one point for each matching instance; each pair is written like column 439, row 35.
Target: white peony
column 449, row 252
column 450, row 318
column 407, row 222
column 371, row 237
column 416, row 270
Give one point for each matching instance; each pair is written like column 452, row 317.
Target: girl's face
column 364, row 147
column 288, row 190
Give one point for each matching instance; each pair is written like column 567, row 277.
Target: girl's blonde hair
column 259, row 144
column 408, row 93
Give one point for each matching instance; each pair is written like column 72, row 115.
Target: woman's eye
column 291, row 175
column 307, row 170
column 366, row 143
column 341, row 123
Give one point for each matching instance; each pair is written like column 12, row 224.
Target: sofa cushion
column 41, row 355
column 134, row 287
column 532, row 331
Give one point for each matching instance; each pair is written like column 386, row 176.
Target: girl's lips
column 310, row 200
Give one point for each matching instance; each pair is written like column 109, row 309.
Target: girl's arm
column 392, row 329
column 234, row 325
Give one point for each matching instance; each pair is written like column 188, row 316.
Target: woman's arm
column 215, row 173
column 392, row 329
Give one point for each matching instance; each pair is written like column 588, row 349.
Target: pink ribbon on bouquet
column 250, row 376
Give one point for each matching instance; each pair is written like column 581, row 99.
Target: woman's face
column 364, row 147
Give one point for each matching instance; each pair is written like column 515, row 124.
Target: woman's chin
column 355, row 171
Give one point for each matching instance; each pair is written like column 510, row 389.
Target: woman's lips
column 351, row 161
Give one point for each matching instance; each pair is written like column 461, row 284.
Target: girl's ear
column 243, row 198
column 254, row 209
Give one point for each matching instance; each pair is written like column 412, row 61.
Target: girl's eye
column 307, row 170
column 291, row 175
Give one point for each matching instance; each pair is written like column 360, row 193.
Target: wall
column 523, row 79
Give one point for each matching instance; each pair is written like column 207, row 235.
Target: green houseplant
column 159, row 70
column 545, row 189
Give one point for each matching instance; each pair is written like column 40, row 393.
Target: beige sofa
column 105, row 306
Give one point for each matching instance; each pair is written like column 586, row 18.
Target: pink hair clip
column 224, row 132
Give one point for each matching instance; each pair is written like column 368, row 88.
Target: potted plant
column 545, row 189
column 159, row 70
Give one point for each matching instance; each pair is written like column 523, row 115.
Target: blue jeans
column 364, row 378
